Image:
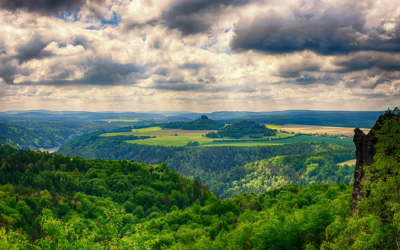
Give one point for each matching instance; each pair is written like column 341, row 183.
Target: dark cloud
column 178, row 86
column 106, row 72
column 247, row 89
column 364, row 61
column 333, row 31
column 195, row 67
column 163, row 72
column 97, row 72
column 188, row 16
column 80, row 40
column 44, row 6
column 327, row 79
column 290, row 70
column 32, row 50
column 8, row 72
column 371, row 96
column 129, row 25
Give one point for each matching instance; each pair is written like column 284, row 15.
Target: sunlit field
column 179, row 137
column 305, row 129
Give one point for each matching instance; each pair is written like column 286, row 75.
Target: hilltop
column 243, row 128
column 203, row 123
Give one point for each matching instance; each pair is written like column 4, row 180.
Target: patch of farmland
column 305, row 129
column 272, row 126
column 301, row 138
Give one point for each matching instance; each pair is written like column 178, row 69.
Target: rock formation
column 365, row 151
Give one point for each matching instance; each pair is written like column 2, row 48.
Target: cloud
column 196, row 16
column 7, row 72
column 195, row 67
column 368, row 60
column 98, row 71
column 45, row 6
column 163, row 72
column 326, row 30
column 32, row 50
column 327, row 79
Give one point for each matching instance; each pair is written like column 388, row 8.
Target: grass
column 168, row 138
column 272, row 126
column 349, row 162
column 144, row 130
column 301, row 138
column 305, row 129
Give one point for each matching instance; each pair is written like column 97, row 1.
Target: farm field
column 179, row 137
column 349, row 162
column 272, row 126
column 305, row 129
column 301, row 138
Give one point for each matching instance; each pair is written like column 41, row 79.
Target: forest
column 23, row 138
column 242, row 128
column 223, row 168
column 38, row 189
column 203, row 123
column 51, row 201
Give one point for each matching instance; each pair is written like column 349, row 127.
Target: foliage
column 70, row 186
column 212, row 166
column 264, row 175
column 376, row 224
column 23, row 138
column 291, row 217
column 192, row 143
column 203, row 123
column 88, row 207
column 66, row 130
column 242, row 128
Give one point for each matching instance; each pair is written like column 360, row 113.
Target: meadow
column 305, row 129
column 179, row 137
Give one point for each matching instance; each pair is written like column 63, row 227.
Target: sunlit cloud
column 199, row 55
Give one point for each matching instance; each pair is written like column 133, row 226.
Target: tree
column 376, row 224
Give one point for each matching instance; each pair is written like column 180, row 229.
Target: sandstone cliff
column 365, row 151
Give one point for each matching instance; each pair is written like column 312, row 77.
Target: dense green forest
column 223, row 168
column 66, row 129
column 362, row 119
column 242, row 128
column 203, row 123
column 159, row 206
column 50, row 201
column 264, row 175
column 23, row 138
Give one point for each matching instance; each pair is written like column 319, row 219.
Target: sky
column 199, row 55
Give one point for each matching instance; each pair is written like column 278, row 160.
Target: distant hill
column 23, row 138
column 203, row 123
column 242, row 128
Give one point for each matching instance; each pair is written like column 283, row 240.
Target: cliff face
column 365, row 151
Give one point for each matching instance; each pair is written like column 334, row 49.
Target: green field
column 182, row 137
column 144, row 130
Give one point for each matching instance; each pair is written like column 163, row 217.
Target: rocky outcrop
column 365, row 152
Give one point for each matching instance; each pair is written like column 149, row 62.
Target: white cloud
column 141, row 64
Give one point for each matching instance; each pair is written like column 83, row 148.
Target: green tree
column 376, row 223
